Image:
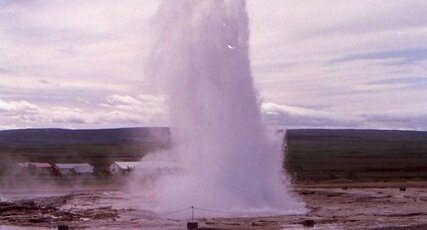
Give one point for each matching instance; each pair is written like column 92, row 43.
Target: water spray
column 225, row 155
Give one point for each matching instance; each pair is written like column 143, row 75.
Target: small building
column 74, row 168
column 122, row 167
column 34, row 168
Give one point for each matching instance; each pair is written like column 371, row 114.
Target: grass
column 356, row 155
column 97, row 147
column 312, row 155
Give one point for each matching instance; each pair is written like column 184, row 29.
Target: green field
column 97, row 147
column 312, row 155
column 356, row 155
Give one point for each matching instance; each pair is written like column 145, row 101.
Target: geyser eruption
column 225, row 157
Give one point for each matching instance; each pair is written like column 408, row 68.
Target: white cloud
column 17, row 107
column 117, row 110
column 18, row 113
column 81, row 63
column 300, row 117
column 144, row 109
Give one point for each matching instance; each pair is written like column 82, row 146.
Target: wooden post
column 192, row 213
column 192, row 225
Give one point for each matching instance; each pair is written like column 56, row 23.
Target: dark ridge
column 365, row 133
column 356, row 155
column 99, row 147
column 95, row 136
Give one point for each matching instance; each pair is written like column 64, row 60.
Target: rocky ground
column 334, row 206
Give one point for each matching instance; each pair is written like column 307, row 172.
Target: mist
column 224, row 156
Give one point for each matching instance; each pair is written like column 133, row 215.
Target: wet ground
column 354, row 206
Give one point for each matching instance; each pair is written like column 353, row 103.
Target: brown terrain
column 330, row 206
column 348, row 179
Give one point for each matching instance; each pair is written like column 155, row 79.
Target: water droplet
column 231, row 47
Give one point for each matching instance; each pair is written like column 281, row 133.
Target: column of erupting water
column 225, row 157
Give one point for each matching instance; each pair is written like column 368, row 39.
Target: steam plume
column 225, row 156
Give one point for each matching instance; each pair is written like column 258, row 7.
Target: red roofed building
column 35, row 168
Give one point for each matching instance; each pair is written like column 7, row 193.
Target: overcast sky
column 316, row 63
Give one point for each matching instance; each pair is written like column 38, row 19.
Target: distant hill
column 312, row 154
column 362, row 155
column 373, row 134
column 67, row 136
column 99, row 147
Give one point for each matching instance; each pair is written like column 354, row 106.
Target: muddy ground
column 330, row 206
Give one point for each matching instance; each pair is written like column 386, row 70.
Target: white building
column 71, row 169
column 123, row 166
